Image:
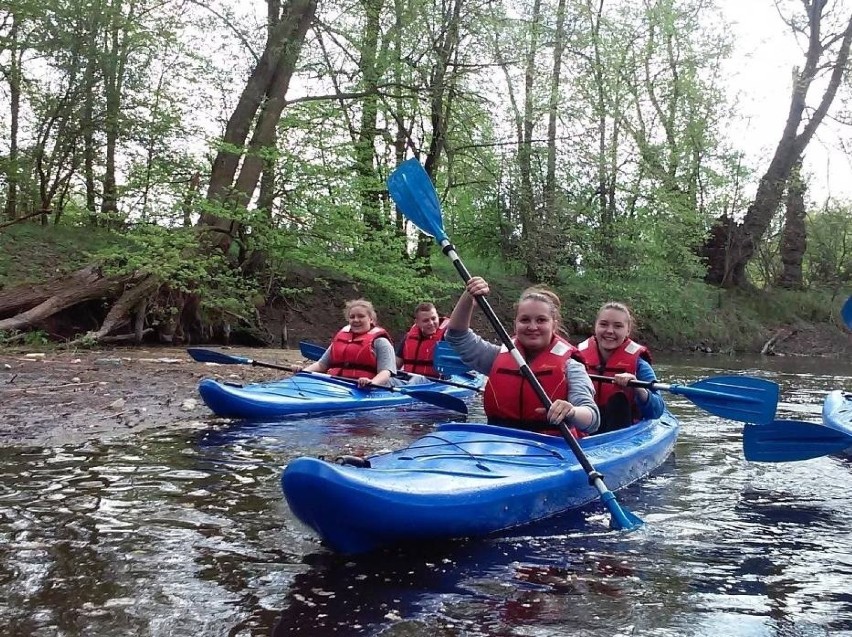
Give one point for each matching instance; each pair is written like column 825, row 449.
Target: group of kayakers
column 364, row 350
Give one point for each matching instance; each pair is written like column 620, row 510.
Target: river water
column 186, row 533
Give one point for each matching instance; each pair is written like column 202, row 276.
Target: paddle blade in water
column 791, row 440
column 412, row 191
column 743, row 398
column 438, row 399
column 846, row 313
column 620, row 519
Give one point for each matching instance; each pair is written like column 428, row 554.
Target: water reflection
column 187, row 533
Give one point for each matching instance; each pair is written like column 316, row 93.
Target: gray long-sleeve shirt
column 480, row 355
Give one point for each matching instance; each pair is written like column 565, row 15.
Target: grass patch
column 31, row 253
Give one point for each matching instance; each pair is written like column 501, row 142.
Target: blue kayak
column 837, row 414
column 310, row 393
column 464, row 480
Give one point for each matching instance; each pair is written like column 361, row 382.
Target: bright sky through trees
column 761, row 70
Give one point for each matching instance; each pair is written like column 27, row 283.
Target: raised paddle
column 790, row 440
column 414, row 194
column 432, row 397
column 742, row 398
column 846, row 313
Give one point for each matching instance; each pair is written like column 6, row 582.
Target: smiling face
column 427, row 321
column 534, row 325
column 360, row 320
column 611, row 329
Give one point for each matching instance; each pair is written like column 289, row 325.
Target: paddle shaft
column 675, row 389
column 441, row 381
column 525, row 370
column 315, row 352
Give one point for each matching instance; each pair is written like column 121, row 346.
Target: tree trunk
column 83, row 285
column 743, row 239
column 113, row 66
column 266, row 195
column 442, row 90
column 119, row 314
column 14, row 77
column 794, row 236
column 553, row 115
column 529, row 228
column 269, row 79
column 365, row 145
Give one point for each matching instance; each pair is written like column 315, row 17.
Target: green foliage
column 34, row 338
column 174, row 257
column 828, row 259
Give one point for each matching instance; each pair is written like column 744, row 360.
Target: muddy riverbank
column 51, row 398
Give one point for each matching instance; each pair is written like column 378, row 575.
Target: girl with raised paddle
column 509, row 399
column 361, row 350
column 611, row 353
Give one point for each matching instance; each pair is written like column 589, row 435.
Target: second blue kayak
column 315, row 394
column 837, row 414
column 465, row 480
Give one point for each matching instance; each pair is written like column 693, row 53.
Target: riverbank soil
column 51, row 398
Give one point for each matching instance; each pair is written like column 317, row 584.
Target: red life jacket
column 352, row 355
column 624, row 359
column 510, row 400
column 418, row 350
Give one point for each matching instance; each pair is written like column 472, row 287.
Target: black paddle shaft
column 525, row 370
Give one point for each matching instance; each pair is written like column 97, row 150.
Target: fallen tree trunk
column 25, row 297
column 84, row 285
column 133, row 298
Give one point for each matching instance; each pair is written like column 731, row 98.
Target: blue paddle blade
column 447, row 361
column 846, row 313
column 412, row 191
column 209, row 356
column 791, row 440
column 743, row 398
column 620, row 519
column 311, row 351
column 436, row 398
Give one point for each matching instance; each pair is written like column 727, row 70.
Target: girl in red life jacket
column 509, row 398
column 415, row 353
column 610, row 352
column 361, row 350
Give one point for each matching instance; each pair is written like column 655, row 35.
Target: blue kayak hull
column 837, row 414
column 303, row 394
column 465, row 480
